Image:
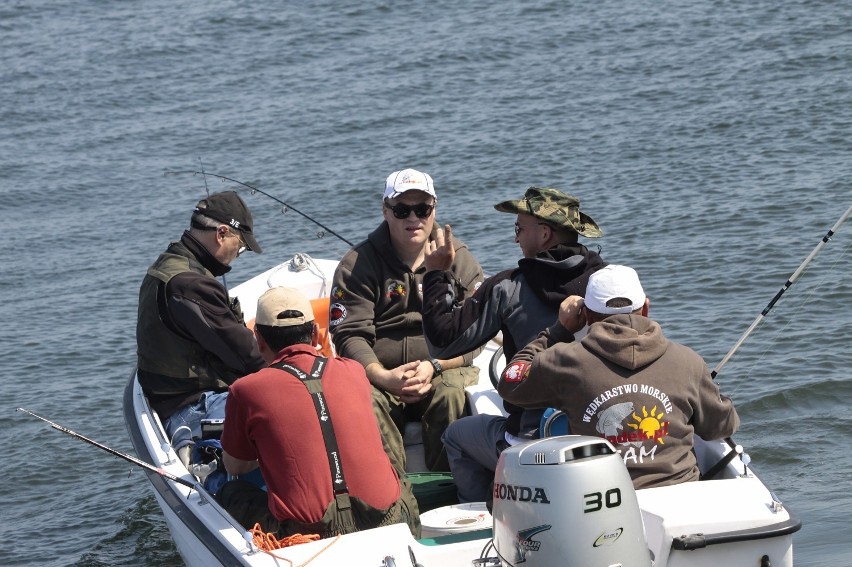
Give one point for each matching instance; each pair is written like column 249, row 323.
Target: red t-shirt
column 270, row 416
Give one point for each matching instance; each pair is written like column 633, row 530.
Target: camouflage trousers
column 444, row 404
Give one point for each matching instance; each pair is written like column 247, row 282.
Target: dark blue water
column 711, row 141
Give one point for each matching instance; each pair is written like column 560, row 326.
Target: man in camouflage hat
column 559, row 210
column 520, row 303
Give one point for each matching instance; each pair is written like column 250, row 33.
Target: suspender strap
column 313, row 382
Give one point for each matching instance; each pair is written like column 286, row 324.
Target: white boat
column 732, row 520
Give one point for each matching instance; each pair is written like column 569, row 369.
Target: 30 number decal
column 595, row 501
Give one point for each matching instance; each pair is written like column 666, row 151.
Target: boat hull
column 733, row 521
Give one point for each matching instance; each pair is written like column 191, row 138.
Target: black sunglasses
column 401, row 210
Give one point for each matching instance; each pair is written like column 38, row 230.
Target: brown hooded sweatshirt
column 626, row 382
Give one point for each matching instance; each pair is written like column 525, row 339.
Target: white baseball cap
column 611, row 282
column 404, row 180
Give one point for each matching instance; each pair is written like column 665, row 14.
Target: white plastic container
column 455, row 519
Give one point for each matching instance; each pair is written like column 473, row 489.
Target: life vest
column 171, row 364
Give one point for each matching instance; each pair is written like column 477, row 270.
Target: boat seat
column 554, row 422
column 483, row 397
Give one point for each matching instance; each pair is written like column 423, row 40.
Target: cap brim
column 514, row 206
column 251, row 242
column 590, row 228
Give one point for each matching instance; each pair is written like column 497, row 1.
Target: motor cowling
column 567, row 501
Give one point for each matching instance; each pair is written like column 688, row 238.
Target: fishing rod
column 124, row 456
column 781, row 291
column 207, row 190
column 205, row 174
column 201, row 165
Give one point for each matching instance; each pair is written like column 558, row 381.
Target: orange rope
column 268, row 543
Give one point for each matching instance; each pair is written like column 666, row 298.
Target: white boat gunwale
column 168, row 491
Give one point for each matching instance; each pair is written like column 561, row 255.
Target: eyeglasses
column 519, row 228
column 243, row 246
column 401, row 210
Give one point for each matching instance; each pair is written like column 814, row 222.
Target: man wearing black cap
column 192, row 342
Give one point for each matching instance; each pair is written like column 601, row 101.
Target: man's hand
column 410, row 381
column 440, row 253
column 418, row 384
column 572, row 313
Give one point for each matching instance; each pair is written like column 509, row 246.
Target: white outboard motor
column 567, row 501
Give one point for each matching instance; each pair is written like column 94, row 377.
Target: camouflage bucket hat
column 554, row 207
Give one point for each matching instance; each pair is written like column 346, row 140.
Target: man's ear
column 547, row 235
column 315, row 335
column 646, row 307
column 589, row 317
column 261, row 344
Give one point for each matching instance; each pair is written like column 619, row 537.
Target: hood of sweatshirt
column 629, row 341
column 560, row 271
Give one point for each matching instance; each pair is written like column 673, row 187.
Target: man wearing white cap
column 375, row 318
column 307, row 421
column 623, row 381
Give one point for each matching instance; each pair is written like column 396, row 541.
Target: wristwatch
column 436, row 366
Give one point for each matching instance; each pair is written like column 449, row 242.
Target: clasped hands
column 410, row 382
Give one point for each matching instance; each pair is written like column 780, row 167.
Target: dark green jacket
column 190, row 336
column 376, row 302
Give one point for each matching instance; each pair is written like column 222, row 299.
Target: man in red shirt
column 308, row 423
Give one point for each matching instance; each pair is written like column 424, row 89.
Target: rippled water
column 711, row 141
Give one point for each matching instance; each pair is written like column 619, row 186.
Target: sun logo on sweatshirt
column 651, row 424
column 395, row 290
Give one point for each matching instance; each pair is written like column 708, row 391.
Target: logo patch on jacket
column 337, row 293
column 336, row 314
column 622, row 419
column 516, row 372
column 396, row 290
